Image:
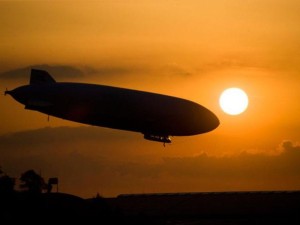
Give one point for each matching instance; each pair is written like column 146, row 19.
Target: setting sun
column 233, row 101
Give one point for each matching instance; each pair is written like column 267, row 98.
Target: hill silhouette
column 34, row 207
column 169, row 208
column 35, row 204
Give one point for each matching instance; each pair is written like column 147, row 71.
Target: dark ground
column 223, row 208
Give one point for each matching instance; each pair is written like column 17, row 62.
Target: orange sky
column 189, row 49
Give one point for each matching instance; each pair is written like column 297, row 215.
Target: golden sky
column 189, row 49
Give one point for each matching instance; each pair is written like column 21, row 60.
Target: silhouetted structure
column 265, row 207
column 52, row 181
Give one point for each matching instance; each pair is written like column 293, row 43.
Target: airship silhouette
column 156, row 116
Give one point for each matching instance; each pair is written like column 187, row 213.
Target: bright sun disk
column 233, row 101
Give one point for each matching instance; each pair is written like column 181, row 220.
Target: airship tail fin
column 40, row 77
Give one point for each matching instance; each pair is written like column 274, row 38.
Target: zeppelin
column 156, row 116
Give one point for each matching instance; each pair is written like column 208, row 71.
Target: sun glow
column 233, row 101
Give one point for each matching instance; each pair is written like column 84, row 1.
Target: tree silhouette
column 6, row 183
column 32, row 182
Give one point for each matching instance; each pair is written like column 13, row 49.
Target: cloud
column 90, row 159
column 165, row 69
column 114, row 70
column 289, row 147
column 110, row 70
column 49, row 135
column 67, row 71
column 58, row 71
column 244, row 165
column 177, row 70
column 50, row 140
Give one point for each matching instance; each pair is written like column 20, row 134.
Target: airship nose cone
column 207, row 120
column 214, row 122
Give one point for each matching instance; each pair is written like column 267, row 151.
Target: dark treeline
column 30, row 181
column 31, row 201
